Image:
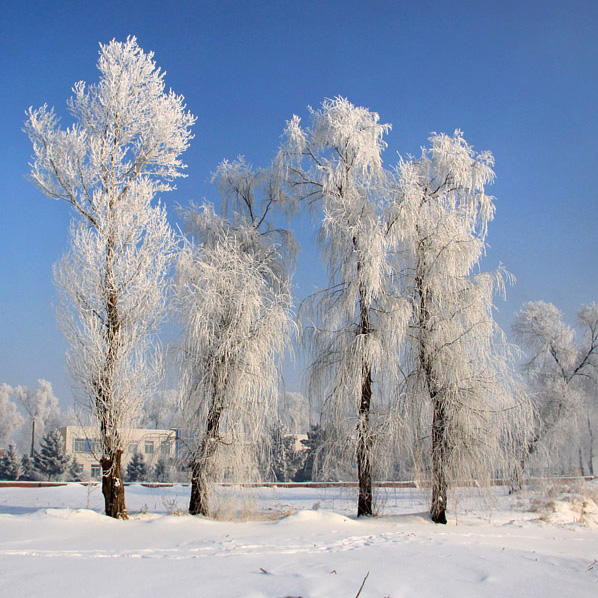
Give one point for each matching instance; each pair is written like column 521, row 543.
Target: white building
column 83, row 444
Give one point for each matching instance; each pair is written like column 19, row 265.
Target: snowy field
column 54, row 542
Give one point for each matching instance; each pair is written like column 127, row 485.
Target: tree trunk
column 198, row 504
column 364, row 449
column 113, row 488
column 364, row 438
column 590, row 448
column 32, row 453
column 439, row 461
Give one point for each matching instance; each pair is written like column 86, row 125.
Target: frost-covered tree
column 136, row 468
column 42, row 408
column 51, row 460
column 562, row 374
column 316, row 438
column 10, row 465
column 28, row 471
column 160, row 410
column 459, row 388
column 234, row 302
column 10, row 419
column 354, row 326
column 123, row 149
column 285, row 460
column 75, row 471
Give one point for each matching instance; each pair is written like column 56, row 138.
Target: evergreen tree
column 28, row 471
column 10, row 468
column 136, row 469
column 313, row 442
column 52, row 460
column 162, row 470
column 285, row 459
column 75, row 471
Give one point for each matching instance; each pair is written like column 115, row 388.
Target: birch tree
column 123, row 149
column 561, row 373
column 354, row 326
column 459, row 383
column 234, row 298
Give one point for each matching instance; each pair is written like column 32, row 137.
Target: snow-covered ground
column 54, row 542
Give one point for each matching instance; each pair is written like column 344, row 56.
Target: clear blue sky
column 520, row 78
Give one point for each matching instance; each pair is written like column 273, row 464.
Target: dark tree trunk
column 32, row 453
column 113, row 488
column 439, row 462
column 440, row 449
column 364, row 438
column 201, row 461
column 198, row 504
column 364, row 450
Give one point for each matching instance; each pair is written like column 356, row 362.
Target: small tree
column 162, row 470
column 28, row 471
column 137, row 468
column 51, row 460
column 10, row 466
column 122, row 151
column 285, row 459
column 313, row 443
column 75, row 471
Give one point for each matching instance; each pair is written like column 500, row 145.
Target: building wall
column 83, row 444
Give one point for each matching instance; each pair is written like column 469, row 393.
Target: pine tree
column 75, row 471
column 162, row 470
column 52, row 460
column 285, row 460
column 28, row 471
column 313, row 442
column 136, row 469
column 10, row 468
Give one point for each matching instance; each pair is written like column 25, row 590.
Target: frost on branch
column 123, row 148
column 234, row 300
column 460, row 398
column 562, row 376
column 355, row 326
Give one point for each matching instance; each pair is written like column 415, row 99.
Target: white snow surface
column 306, row 542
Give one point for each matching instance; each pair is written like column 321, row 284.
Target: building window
column 132, row 447
column 95, row 471
column 79, row 445
column 149, row 447
column 85, row 445
column 165, row 448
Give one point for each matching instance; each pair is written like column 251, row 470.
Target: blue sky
column 519, row 78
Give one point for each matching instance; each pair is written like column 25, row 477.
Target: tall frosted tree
column 460, row 391
column 234, row 299
column 123, row 149
column 561, row 372
column 354, row 326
